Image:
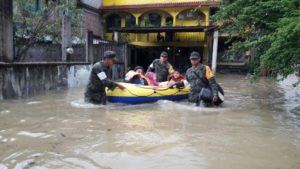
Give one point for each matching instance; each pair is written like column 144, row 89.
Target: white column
column 116, row 36
column 215, row 51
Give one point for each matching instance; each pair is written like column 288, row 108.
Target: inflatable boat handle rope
column 155, row 91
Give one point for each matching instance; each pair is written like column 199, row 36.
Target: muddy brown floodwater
column 258, row 127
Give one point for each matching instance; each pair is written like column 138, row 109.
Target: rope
column 154, row 91
column 138, row 95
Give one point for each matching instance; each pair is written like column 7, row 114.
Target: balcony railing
column 152, row 37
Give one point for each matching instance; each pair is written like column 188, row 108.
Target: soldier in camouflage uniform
column 200, row 76
column 100, row 78
column 161, row 67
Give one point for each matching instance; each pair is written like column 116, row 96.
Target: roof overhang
column 93, row 5
column 165, row 29
column 160, row 5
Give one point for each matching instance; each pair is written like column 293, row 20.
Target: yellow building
column 150, row 26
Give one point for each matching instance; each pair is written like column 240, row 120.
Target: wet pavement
column 257, row 127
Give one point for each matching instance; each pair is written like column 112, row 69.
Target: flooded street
column 258, row 127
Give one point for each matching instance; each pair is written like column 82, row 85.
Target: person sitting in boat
column 176, row 77
column 136, row 76
column 152, row 79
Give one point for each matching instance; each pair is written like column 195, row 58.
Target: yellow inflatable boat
column 136, row 94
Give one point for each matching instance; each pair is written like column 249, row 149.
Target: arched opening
column 191, row 17
column 151, row 20
column 169, row 21
column 129, row 21
column 113, row 21
column 155, row 18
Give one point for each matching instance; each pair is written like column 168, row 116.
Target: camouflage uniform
column 162, row 70
column 99, row 79
column 198, row 78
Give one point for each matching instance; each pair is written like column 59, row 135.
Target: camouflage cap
column 164, row 54
column 109, row 54
column 195, row 55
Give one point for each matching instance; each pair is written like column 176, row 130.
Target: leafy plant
column 35, row 24
column 270, row 27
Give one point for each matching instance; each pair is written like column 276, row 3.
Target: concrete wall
column 28, row 80
column 52, row 53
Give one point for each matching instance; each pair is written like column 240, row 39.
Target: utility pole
column 6, row 31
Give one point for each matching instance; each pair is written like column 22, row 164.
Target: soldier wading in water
column 203, row 84
column 100, row 78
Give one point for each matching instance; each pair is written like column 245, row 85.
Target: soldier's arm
column 211, row 80
column 151, row 67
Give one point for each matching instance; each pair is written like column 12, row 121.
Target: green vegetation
column 36, row 22
column 270, row 28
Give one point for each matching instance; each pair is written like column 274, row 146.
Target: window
column 38, row 6
column 152, row 20
column 191, row 15
column 113, row 21
column 129, row 21
column 169, row 21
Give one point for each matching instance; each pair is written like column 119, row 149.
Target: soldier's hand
column 121, row 86
column 179, row 85
column 215, row 98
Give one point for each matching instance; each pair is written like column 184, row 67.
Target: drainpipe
column 89, row 49
column 215, row 51
column 66, row 36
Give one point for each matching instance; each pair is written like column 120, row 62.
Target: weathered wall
column 22, row 79
column 52, row 53
column 28, row 80
column 94, row 23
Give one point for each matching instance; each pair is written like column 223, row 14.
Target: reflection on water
column 257, row 127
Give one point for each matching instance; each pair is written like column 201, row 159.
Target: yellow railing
column 152, row 37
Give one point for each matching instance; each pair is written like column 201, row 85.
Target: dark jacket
column 198, row 78
column 162, row 70
column 99, row 79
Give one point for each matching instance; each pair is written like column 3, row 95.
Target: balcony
column 161, row 35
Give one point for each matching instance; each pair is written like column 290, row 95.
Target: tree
column 37, row 22
column 270, row 28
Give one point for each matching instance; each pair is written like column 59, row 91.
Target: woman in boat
column 136, row 76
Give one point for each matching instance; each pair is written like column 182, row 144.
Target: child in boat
column 174, row 78
column 152, row 79
column 136, row 76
